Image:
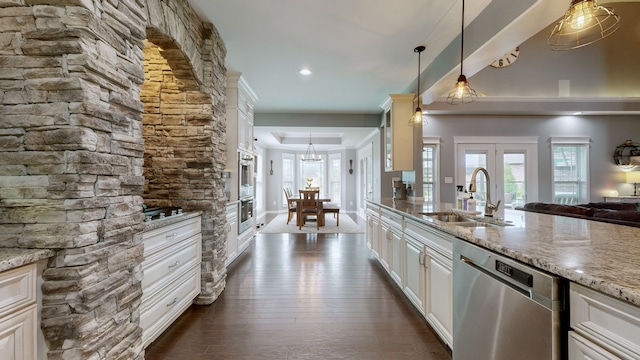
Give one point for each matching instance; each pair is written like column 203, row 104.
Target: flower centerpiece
column 309, row 183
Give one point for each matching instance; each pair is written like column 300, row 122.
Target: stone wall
column 72, row 157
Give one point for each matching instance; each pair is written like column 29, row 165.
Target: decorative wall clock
column 507, row 59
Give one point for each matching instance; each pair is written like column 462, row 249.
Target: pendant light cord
column 462, row 40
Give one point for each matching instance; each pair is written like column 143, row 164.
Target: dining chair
column 308, row 207
column 291, row 203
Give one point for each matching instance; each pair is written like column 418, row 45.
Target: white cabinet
column 602, row 327
column 398, row 135
column 439, row 292
column 171, row 274
column 434, row 295
column 18, row 313
column 232, row 232
column 392, row 224
column 414, row 274
column 240, row 102
column 419, row 258
column 239, row 116
column 373, row 229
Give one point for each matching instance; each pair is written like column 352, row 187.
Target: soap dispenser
column 471, row 203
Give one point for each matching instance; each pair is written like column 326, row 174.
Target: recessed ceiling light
column 305, row 72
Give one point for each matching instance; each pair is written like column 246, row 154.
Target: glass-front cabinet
column 398, row 135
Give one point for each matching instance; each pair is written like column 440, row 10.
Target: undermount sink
column 453, row 218
column 448, row 217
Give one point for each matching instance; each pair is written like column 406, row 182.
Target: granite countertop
column 11, row 258
column 598, row 255
column 155, row 224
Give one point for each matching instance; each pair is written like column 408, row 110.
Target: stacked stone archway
column 73, row 159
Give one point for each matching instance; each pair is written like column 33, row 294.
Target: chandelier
column 311, row 154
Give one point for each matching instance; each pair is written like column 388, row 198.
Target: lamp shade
column 633, row 177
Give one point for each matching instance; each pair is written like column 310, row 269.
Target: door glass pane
column 429, row 176
column 514, row 180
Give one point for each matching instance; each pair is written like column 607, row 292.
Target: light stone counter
column 11, row 258
column 601, row 256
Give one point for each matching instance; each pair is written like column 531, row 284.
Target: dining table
column 321, row 201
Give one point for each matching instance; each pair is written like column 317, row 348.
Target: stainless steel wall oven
column 246, row 215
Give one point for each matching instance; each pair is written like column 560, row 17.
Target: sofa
column 615, row 213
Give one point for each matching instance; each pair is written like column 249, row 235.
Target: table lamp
column 633, row 177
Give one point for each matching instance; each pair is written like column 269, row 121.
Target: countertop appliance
column 504, row 309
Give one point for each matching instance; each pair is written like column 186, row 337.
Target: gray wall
column 606, row 132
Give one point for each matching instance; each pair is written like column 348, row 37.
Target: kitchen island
column 591, row 255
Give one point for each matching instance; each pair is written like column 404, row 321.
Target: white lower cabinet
column 439, row 293
column 232, row 232
column 373, row 229
column 18, row 313
column 414, row 273
column 171, row 274
column 392, row 225
column 602, row 327
column 432, row 258
column 420, row 259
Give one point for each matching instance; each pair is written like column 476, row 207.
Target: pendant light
column 417, row 119
column 462, row 93
column 310, row 154
column 584, row 23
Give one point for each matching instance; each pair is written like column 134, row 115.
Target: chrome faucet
column 489, row 207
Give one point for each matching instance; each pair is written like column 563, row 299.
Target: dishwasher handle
column 516, row 285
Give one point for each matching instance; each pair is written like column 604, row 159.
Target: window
column 335, row 178
column 429, row 175
column 288, row 175
column 312, row 172
column 570, row 170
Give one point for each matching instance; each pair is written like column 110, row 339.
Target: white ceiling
column 359, row 51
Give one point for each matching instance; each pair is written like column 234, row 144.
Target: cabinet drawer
column 437, row 241
column 160, row 310
column 165, row 266
column 160, row 238
column 17, row 288
column 391, row 219
column 608, row 322
column 583, row 349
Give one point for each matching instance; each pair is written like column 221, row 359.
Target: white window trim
column 437, row 141
column 571, row 140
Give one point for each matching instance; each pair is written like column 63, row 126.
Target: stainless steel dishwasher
column 504, row 309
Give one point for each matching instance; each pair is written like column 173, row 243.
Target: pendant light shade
column 584, row 23
column 417, row 119
column 462, row 93
column 310, row 154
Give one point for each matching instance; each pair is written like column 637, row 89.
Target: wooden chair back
column 308, row 206
column 309, row 199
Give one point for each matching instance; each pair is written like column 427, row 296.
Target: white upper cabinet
column 398, row 135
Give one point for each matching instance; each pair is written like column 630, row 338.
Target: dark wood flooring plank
column 303, row 297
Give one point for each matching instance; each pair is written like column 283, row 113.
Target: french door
column 512, row 164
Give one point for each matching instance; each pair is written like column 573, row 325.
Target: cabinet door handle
column 174, row 265
column 389, row 235
column 175, row 300
column 172, row 235
column 421, row 258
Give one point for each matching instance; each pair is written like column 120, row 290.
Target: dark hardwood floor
column 303, row 296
